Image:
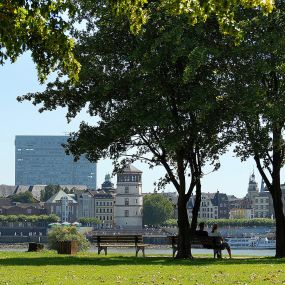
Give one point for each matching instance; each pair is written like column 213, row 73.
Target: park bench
column 105, row 241
column 207, row 242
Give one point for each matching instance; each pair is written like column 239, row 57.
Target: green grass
column 89, row 268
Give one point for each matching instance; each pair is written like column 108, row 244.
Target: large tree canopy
column 255, row 83
column 40, row 26
column 154, row 94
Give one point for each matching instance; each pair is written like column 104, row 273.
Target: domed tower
column 252, row 190
column 107, row 185
column 129, row 199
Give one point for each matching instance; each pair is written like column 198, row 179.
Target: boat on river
column 251, row 243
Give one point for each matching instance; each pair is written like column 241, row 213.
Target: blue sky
column 24, row 119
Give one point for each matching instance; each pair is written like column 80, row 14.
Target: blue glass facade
column 41, row 160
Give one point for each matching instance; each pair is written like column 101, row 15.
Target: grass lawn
column 89, row 268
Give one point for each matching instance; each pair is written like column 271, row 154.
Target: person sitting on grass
column 201, row 232
column 224, row 245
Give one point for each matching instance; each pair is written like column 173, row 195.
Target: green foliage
column 170, row 222
column 41, row 27
column 46, row 219
column 23, row 197
column 49, row 191
column 89, row 221
column 262, row 222
column 140, row 11
column 67, row 234
column 156, row 209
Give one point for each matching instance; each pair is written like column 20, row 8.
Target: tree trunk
column 196, row 208
column 280, row 223
column 276, row 191
column 184, row 246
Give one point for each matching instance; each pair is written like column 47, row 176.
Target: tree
column 156, row 209
column 155, row 95
column 41, row 27
column 49, row 191
column 140, row 11
column 255, row 89
column 23, row 197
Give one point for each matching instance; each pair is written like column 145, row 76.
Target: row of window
column 103, row 218
column 104, row 203
column 262, row 207
column 104, row 210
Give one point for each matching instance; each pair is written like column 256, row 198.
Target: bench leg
column 100, row 248
column 138, row 248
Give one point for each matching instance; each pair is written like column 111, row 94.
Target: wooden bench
column 105, row 241
column 207, row 242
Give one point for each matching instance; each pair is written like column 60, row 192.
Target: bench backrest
column 123, row 239
column 205, row 241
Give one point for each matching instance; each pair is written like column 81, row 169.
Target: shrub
column 67, row 234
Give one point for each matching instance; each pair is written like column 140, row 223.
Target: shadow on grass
column 128, row 260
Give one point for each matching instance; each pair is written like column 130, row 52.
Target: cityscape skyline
column 24, row 119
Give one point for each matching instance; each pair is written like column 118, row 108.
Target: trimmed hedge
column 30, row 218
column 261, row 222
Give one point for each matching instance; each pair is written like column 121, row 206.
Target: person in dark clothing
column 224, row 245
column 201, row 231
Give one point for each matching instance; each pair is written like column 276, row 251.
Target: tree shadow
column 130, row 260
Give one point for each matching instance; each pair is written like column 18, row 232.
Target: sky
column 24, row 119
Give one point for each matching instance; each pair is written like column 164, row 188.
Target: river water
column 157, row 250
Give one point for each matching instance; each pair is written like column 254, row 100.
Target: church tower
column 129, row 199
column 252, row 190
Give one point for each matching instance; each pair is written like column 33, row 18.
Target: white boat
column 252, row 243
column 242, row 242
column 265, row 243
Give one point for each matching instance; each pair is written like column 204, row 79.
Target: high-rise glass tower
column 41, row 160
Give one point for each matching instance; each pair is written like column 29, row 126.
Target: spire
column 262, row 186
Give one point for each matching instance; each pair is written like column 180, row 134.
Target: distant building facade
column 63, row 205
column 129, row 199
column 41, row 160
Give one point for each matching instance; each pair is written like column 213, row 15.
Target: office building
column 41, row 160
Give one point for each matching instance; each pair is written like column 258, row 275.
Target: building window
column 127, row 190
column 126, row 201
column 136, row 201
column 126, row 213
